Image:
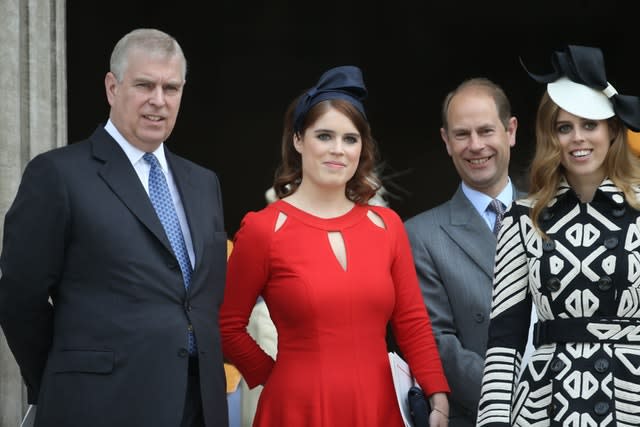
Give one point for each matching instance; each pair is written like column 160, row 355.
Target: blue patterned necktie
column 163, row 204
column 497, row 207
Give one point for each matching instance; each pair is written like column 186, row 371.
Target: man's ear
column 111, row 87
column 512, row 127
column 445, row 139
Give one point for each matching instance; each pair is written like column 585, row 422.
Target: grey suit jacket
column 111, row 350
column 454, row 251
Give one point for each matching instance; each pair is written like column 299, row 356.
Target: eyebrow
column 471, row 128
column 332, row 131
column 154, row 81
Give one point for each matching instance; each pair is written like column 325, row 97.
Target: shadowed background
column 247, row 61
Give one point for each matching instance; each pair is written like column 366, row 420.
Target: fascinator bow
column 584, row 66
column 344, row 82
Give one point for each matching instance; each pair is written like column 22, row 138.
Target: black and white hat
column 579, row 86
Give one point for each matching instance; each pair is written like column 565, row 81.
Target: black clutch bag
column 419, row 407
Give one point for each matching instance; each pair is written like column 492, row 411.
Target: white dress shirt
column 142, row 168
column 481, row 201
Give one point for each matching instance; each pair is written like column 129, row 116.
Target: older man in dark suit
column 114, row 260
column 454, row 244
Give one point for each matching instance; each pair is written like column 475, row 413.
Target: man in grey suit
column 454, row 244
column 113, row 263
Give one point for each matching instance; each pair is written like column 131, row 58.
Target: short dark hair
column 503, row 106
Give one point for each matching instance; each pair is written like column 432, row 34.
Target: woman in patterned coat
column 572, row 248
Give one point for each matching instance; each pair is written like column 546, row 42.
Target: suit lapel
column 120, row 176
column 191, row 201
column 469, row 231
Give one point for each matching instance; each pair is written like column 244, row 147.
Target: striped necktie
column 497, row 207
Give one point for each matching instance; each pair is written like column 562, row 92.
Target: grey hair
column 151, row 42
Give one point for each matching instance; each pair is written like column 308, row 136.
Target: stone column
column 33, row 119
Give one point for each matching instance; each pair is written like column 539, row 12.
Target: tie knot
column 497, row 207
column 151, row 159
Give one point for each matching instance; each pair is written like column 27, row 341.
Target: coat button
column 611, row 242
column 557, row 365
column 551, row 410
column 601, row 365
column 618, row 212
column 183, row 352
column 601, row 408
column 605, row 283
column 479, row 317
column 546, row 215
column 548, row 245
column 187, row 306
column 553, row 284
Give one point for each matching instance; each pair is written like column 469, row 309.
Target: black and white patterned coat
column 584, row 281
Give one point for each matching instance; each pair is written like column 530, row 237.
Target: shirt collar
column 134, row 154
column 480, row 200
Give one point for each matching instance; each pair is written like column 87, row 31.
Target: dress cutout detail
column 280, row 221
column 337, row 246
column 376, row 219
column 332, row 366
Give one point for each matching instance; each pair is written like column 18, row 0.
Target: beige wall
column 33, row 119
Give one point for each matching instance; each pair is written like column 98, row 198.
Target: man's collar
column 134, row 154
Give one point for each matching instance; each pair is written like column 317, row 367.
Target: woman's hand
column 439, row 416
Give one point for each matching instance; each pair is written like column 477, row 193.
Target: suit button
column 187, row 306
column 601, row 408
column 548, row 245
column 553, row 284
column 601, row 365
column 557, row 365
column 551, row 410
column 183, row 352
column 479, row 317
column 618, row 212
column 611, row 242
column 605, row 283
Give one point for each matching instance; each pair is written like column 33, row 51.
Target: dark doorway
column 247, row 61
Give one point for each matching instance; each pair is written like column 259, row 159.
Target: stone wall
column 33, row 119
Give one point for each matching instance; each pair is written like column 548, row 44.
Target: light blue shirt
column 142, row 168
column 481, row 201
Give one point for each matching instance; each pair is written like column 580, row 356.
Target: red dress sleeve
column 247, row 273
column 410, row 321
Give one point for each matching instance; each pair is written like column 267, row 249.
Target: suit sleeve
column 509, row 327
column 463, row 367
column 247, row 274
column 410, row 321
column 35, row 234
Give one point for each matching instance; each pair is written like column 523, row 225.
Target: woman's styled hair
column 362, row 186
column 621, row 166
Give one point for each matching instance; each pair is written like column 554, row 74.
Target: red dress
column 332, row 367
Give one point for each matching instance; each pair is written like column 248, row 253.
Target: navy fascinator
column 344, row 82
column 579, row 85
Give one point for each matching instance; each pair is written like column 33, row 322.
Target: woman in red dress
column 333, row 271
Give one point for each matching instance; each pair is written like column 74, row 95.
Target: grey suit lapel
column 120, row 176
column 469, row 231
column 191, row 201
